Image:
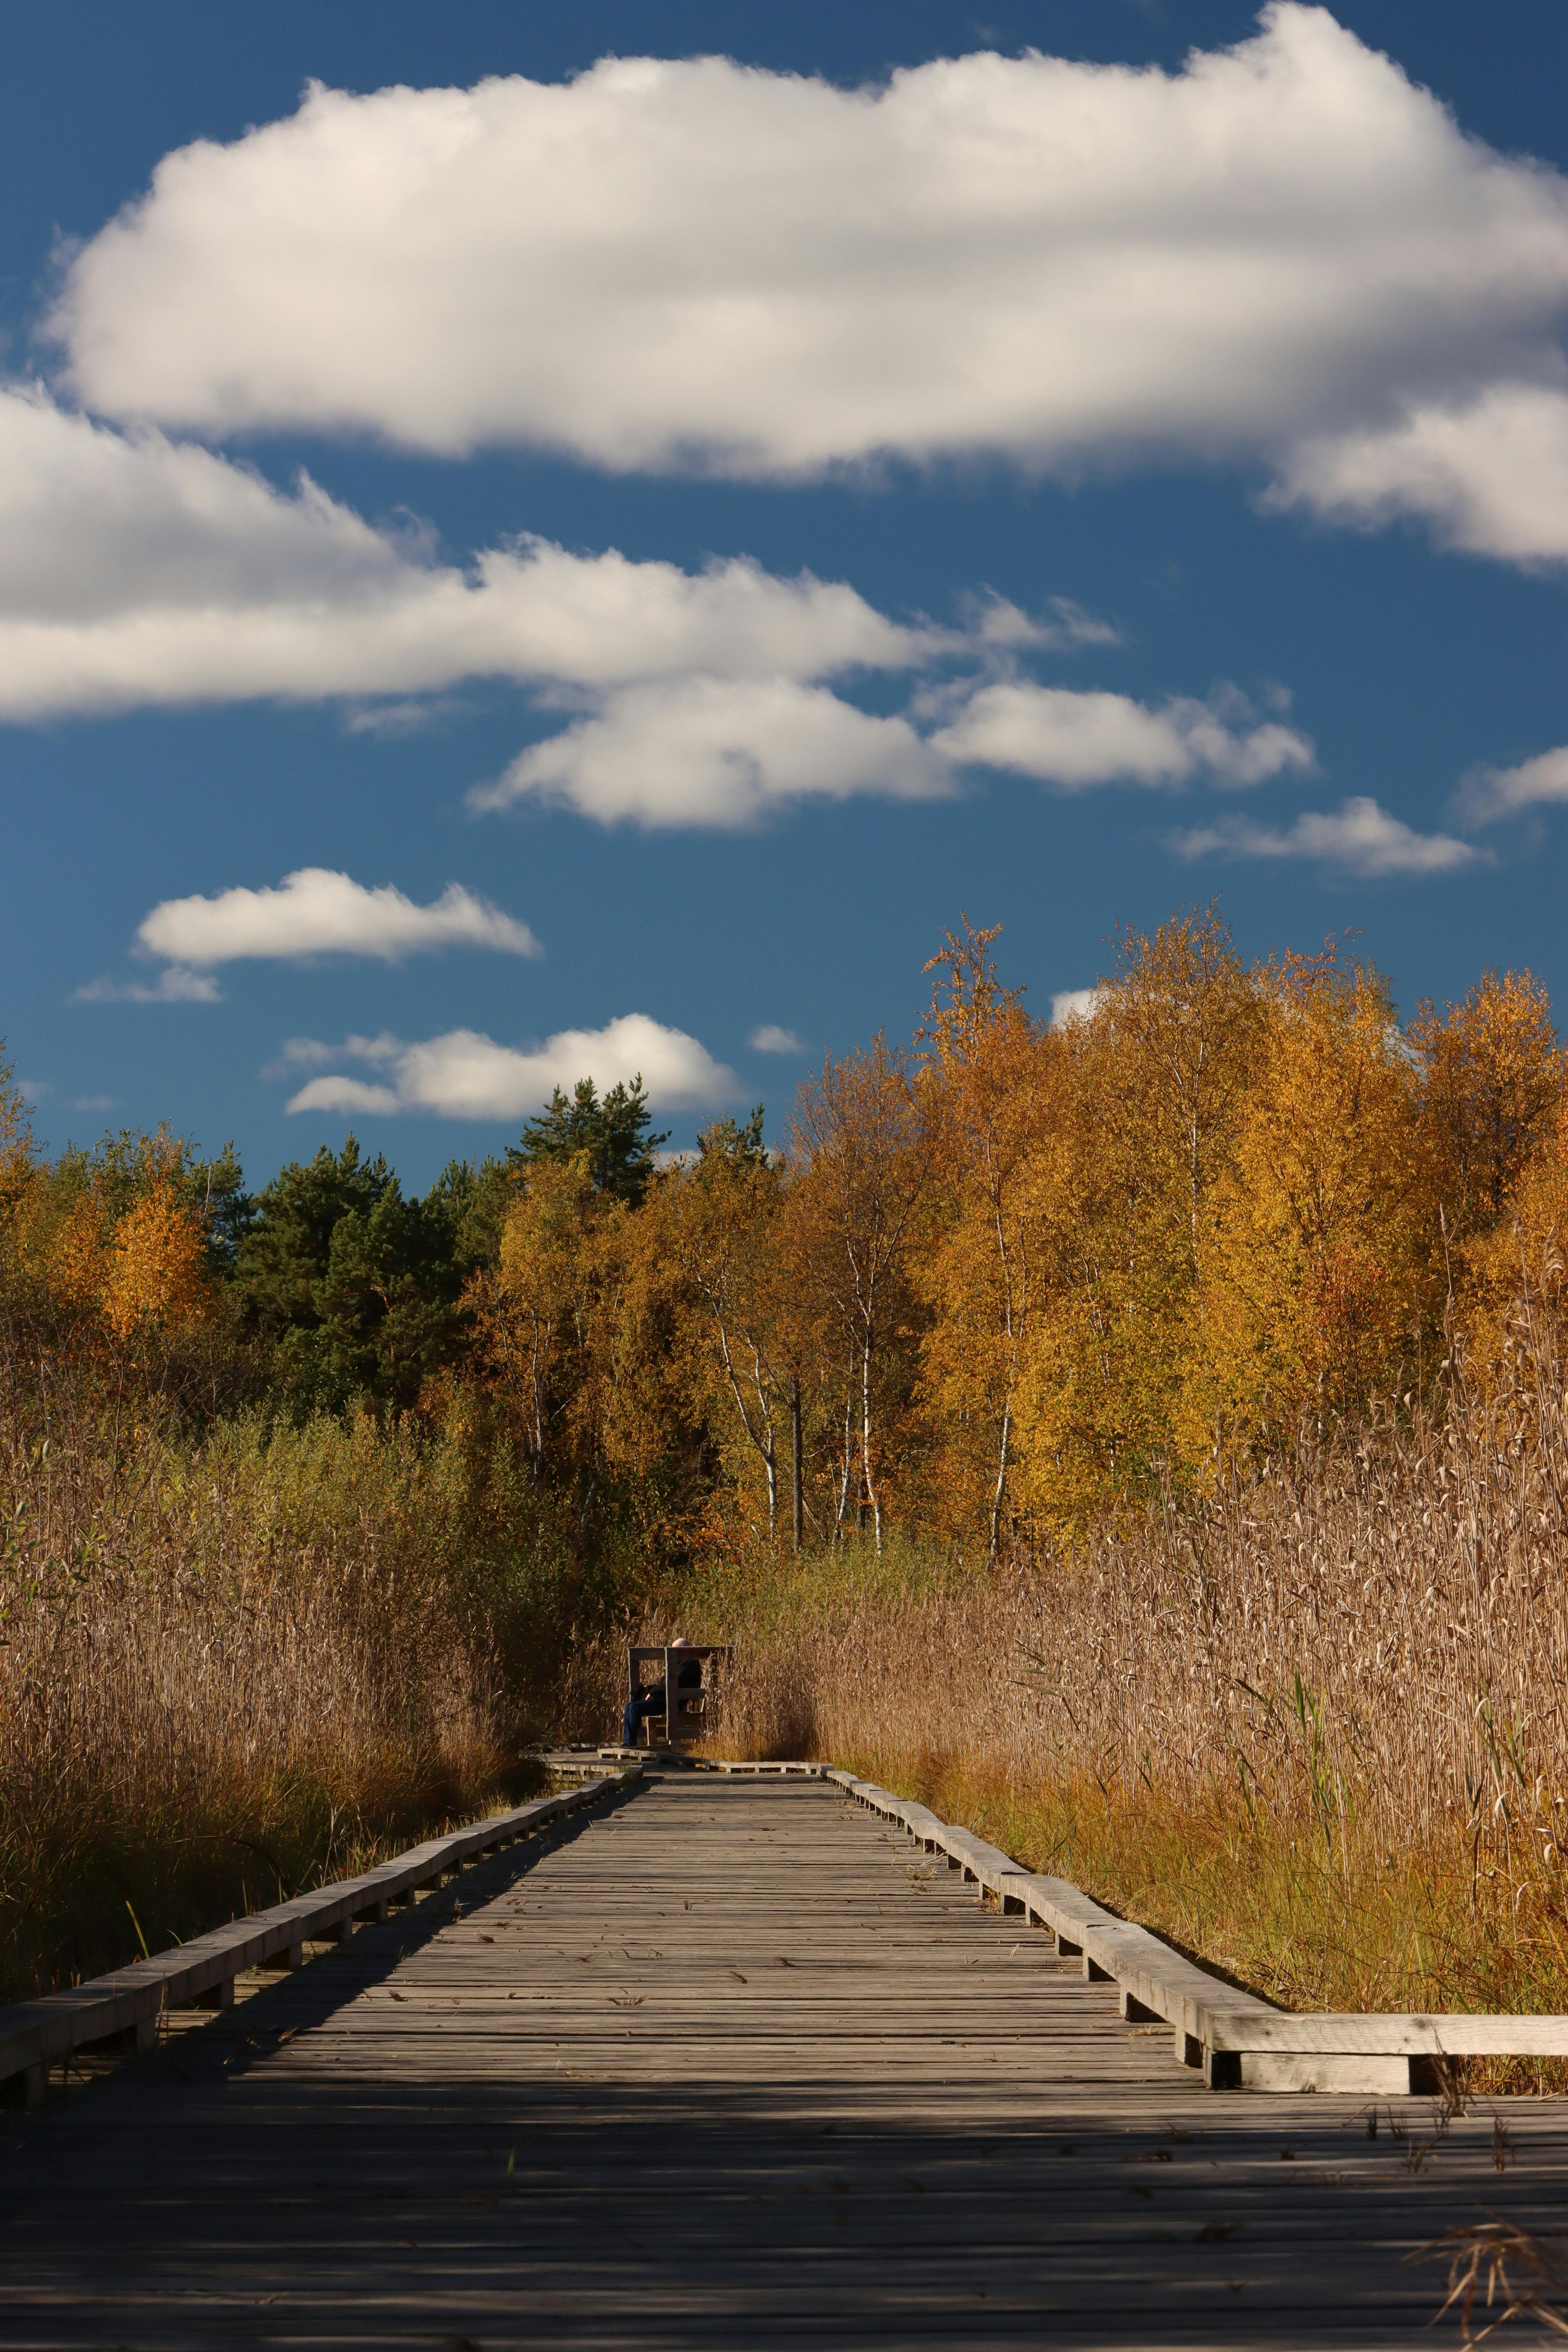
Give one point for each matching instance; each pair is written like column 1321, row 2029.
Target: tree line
column 988, row 1284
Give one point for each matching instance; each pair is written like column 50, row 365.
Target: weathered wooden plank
column 836, row 2102
column 130, row 1999
column 1454, row 2035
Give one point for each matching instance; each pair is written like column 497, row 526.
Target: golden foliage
column 155, row 1269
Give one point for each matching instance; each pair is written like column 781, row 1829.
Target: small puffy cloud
column 1494, row 793
column 770, row 1039
column 1070, row 1004
column 1078, row 740
column 175, row 986
column 1359, row 838
column 317, row 912
column 465, row 1074
column 998, row 625
column 696, row 264
column 313, row 1054
column 1489, row 475
column 720, row 752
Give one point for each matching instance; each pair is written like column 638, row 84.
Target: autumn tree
column 859, row 1153
column 18, row 1154
column 1157, row 1077
column 156, row 1269
column 1319, row 1260
column 992, row 1084
column 579, row 1329
column 725, row 1217
column 1493, row 1083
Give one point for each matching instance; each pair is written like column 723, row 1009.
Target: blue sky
column 1054, row 494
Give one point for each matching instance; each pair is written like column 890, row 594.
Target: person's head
column 680, row 1643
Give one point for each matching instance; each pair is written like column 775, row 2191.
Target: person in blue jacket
column 649, row 1700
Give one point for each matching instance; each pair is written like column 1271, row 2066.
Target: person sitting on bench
column 651, row 1700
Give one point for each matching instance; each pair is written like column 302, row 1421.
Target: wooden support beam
column 1242, row 2042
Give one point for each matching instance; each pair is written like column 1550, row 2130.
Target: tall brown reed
column 1313, row 1727
column 226, row 1666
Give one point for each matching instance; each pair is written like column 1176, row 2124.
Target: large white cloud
column 699, row 264
column 1359, row 838
column 138, row 571
column 317, row 912
column 688, row 698
column 723, row 753
column 464, row 1074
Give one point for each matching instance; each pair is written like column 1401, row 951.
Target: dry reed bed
column 1314, row 1728
column 226, row 1670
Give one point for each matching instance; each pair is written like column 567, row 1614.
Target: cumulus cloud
column 317, row 912
column 697, row 264
column 1076, row 739
column 465, row 1074
column 770, row 1039
column 1494, row 793
column 680, row 698
column 996, row 625
column 1359, row 838
column 1489, row 475
column 720, row 752
column 1070, row 1004
column 136, row 571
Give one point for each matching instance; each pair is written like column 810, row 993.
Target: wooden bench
column 691, row 1672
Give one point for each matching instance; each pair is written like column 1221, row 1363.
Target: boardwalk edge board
column 1240, row 2041
column 587, row 1760
column 131, row 2000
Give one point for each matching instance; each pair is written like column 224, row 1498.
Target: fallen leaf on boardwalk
column 739, row 1978
column 399, row 1996
column 487, row 1939
column 1212, row 2231
column 783, row 1963
column 287, row 2035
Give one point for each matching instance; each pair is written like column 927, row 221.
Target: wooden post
column 794, row 1453
column 671, row 1703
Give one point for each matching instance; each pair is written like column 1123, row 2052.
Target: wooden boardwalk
column 726, row 2065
